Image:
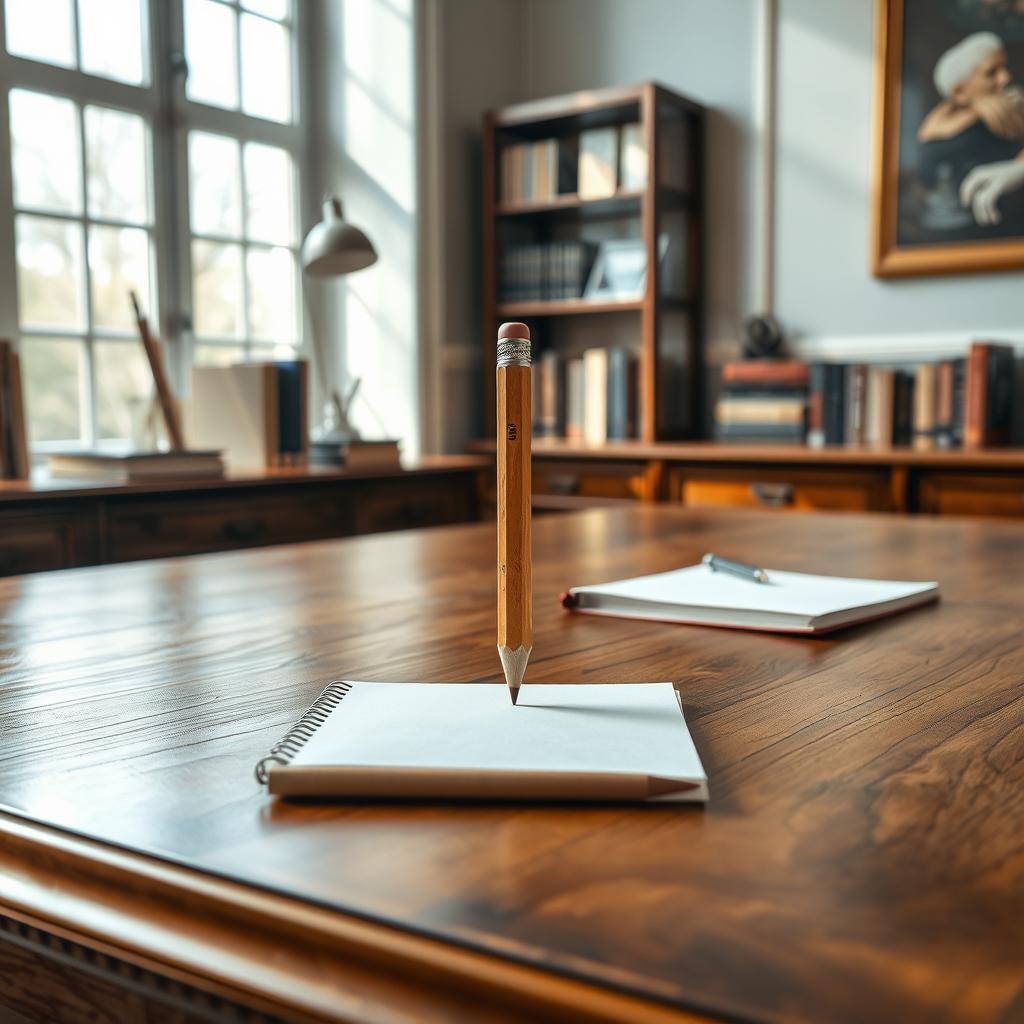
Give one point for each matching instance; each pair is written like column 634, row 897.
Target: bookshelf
column 662, row 325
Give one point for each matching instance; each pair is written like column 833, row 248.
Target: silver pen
column 745, row 572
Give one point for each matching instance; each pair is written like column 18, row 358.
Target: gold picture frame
column 891, row 257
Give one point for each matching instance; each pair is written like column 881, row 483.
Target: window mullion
column 8, row 250
column 91, row 391
column 76, row 28
column 170, row 183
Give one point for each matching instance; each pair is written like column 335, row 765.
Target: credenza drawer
column 157, row 529
column 34, row 540
column 590, row 479
column 405, row 505
column 781, row 488
column 971, row 494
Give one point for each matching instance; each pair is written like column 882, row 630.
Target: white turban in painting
column 957, row 63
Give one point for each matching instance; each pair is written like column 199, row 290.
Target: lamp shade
column 334, row 247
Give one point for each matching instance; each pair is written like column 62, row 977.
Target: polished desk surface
column 861, row 857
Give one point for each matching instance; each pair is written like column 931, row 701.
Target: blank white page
column 631, row 728
column 792, row 593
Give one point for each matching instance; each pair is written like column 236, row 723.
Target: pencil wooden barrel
column 515, row 583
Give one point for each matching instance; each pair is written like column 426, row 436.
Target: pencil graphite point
column 514, row 664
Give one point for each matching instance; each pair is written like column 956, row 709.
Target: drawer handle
column 564, row 483
column 771, row 495
column 244, row 529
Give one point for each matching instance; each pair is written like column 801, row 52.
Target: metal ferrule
column 513, row 352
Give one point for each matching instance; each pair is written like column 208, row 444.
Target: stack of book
column 137, row 467
column 552, row 270
column 14, row 460
column 356, row 453
column 951, row 403
column 595, row 164
column 592, row 398
column 538, row 171
column 762, row 401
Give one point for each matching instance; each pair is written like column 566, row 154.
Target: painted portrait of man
column 954, row 105
column 972, row 141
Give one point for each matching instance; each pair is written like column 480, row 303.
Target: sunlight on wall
column 383, row 146
column 372, row 82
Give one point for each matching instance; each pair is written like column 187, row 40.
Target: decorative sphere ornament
column 761, row 337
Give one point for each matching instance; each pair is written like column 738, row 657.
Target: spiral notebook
column 590, row 742
column 792, row 602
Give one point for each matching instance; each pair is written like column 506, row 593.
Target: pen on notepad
column 745, row 572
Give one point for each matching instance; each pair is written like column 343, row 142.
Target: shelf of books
column 964, row 403
column 582, row 195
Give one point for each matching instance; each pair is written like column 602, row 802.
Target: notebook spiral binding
column 295, row 738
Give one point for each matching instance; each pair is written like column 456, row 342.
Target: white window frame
column 169, row 116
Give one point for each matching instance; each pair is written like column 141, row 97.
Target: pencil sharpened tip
column 513, row 662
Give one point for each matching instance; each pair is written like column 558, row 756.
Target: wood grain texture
column 861, row 856
column 515, row 564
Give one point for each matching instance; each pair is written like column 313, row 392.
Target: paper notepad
column 443, row 740
column 793, row 601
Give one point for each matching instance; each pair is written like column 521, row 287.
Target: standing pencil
column 515, row 575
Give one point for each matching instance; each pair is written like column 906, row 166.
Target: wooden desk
column 861, row 859
column 51, row 523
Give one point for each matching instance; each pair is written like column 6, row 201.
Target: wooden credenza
column 51, row 524
column 707, row 475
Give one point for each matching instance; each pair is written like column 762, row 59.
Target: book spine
column 595, row 412
column 816, row 406
column 835, row 403
column 760, row 431
column 618, row 394
column 551, row 423
column 765, row 370
column 859, row 404
column 976, row 398
column 959, row 399
column 924, row 407
column 574, row 395
column 999, row 414
column 903, row 408
column 944, row 404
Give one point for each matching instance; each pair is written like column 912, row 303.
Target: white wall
column 364, row 147
column 825, row 293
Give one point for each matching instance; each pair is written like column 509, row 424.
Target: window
column 106, row 197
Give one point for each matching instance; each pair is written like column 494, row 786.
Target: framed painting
column 949, row 137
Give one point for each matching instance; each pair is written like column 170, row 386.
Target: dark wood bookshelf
column 667, row 335
column 567, row 307
column 617, row 205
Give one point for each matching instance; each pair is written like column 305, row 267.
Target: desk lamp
column 333, row 248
